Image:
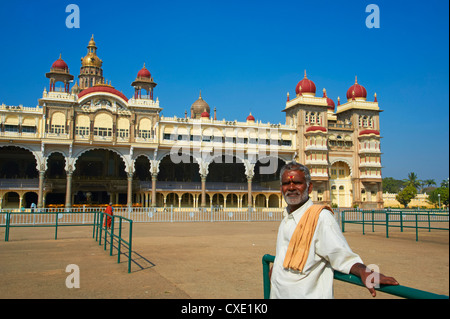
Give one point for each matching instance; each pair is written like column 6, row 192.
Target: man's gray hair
column 294, row 166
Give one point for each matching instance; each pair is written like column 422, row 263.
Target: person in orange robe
column 109, row 211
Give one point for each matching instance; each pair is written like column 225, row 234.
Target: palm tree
column 429, row 182
column 412, row 180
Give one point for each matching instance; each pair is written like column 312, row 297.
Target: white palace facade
column 89, row 144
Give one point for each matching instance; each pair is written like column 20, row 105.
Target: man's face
column 294, row 188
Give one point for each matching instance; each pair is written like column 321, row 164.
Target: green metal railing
column 10, row 220
column 102, row 232
column 395, row 219
column 400, row 291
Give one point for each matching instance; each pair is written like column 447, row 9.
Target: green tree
column 413, row 180
column 391, row 185
column 433, row 197
column 444, row 183
column 406, row 195
column 429, row 182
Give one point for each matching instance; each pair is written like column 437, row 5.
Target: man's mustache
column 295, row 192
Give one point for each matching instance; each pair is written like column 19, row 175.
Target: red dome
column 305, row 86
column 205, row 114
column 144, row 73
column 330, row 103
column 250, row 117
column 316, row 128
column 60, row 64
column 101, row 88
column 360, row 91
column 367, row 132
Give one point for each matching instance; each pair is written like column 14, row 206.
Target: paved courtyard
column 219, row 260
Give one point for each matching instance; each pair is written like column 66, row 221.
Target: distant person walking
column 109, row 210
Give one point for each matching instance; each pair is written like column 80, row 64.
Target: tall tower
column 91, row 71
column 59, row 72
column 144, row 81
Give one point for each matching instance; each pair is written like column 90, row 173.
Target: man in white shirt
column 328, row 248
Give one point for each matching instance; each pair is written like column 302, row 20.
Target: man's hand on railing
column 371, row 279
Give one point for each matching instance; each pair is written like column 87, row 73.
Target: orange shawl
column 298, row 249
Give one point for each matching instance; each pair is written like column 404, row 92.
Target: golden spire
column 91, row 59
column 91, row 42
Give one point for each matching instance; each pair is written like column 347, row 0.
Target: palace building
column 89, row 144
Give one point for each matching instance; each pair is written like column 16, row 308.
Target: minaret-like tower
column 91, row 71
column 59, row 72
column 143, row 81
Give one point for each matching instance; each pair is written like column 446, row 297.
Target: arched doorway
column 180, row 172
column 99, row 178
column 226, row 169
column 17, row 163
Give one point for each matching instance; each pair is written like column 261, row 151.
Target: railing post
column 401, row 221
column 343, row 220
column 417, row 228
column 362, row 214
column 8, row 221
column 106, row 231
column 120, row 240
column 373, row 225
column 56, row 225
column 266, row 268
column 112, row 236
column 129, row 245
column 387, row 225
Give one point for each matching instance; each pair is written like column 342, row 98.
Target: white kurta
column 329, row 250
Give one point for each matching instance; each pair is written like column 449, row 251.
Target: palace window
column 123, row 133
column 147, row 134
column 11, row 128
column 29, row 129
column 82, row 130
column 102, row 131
column 57, row 129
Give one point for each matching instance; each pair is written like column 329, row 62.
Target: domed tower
column 91, row 71
column 356, row 92
column 305, row 87
column 199, row 107
column 144, row 81
column 59, row 72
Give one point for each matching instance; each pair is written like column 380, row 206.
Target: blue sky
column 246, row 55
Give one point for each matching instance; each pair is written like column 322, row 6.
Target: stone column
column 249, row 195
column 129, row 190
column 154, row 170
column 380, row 202
column 203, row 204
column 203, row 170
column 154, row 179
column 69, row 174
column 41, row 189
column 249, row 172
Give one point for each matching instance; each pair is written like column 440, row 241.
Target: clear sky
column 245, row 56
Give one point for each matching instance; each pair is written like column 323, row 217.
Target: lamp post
column 439, row 198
